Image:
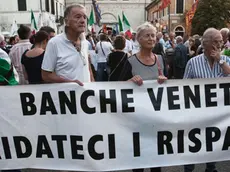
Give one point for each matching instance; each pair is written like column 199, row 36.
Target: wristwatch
column 221, row 62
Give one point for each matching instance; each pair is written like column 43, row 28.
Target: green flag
column 91, row 18
column 126, row 25
column 33, row 22
column 120, row 24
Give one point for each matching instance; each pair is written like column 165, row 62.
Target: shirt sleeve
column 126, row 72
column 130, row 46
column 111, row 47
column 188, row 73
column 50, row 57
column 227, row 60
column 97, row 46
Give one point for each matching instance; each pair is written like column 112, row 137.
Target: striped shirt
column 16, row 54
column 199, row 67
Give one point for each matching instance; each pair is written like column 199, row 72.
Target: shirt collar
column 24, row 41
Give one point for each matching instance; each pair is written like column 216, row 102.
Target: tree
column 211, row 13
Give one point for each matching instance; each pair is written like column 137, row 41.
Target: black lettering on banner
column 65, row 101
column 104, row 101
column 84, row 105
column 136, row 145
column 164, row 138
column 18, row 147
column 192, row 137
column 47, row 104
column 27, row 103
column 210, row 138
column 6, row 148
column 126, row 100
column 195, row 98
column 91, row 147
column 43, row 142
column 76, row 147
column 180, row 141
column 209, row 95
column 226, row 140
column 226, row 87
column 156, row 102
column 172, row 98
column 60, row 148
column 112, row 147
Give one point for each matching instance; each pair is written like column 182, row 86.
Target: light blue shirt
column 199, row 67
column 162, row 42
column 168, row 45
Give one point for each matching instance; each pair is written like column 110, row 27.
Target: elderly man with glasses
column 210, row 64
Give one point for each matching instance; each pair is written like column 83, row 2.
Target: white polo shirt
column 62, row 58
column 107, row 49
column 128, row 46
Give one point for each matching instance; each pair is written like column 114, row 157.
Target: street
column 221, row 167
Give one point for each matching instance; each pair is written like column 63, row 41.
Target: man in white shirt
column 135, row 44
column 64, row 61
column 128, row 44
column 103, row 49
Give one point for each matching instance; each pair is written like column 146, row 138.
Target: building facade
column 172, row 18
column 46, row 12
column 110, row 9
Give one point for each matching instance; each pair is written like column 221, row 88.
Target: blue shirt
column 168, row 45
column 162, row 42
column 199, row 67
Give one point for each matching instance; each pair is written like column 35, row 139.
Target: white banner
column 114, row 126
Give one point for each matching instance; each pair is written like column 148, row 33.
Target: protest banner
column 114, row 126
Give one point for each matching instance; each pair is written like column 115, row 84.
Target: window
column 180, row 6
column 61, row 10
column 22, row 5
column 52, row 7
column 47, row 5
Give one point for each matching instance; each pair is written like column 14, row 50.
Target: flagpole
column 169, row 19
column 41, row 5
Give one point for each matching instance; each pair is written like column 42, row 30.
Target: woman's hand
column 162, row 79
column 137, row 80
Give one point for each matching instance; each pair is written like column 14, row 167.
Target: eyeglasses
column 218, row 42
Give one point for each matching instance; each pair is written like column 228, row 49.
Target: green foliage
column 211, row 13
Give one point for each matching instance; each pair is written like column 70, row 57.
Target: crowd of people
column 146, row 55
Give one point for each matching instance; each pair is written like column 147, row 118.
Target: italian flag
column 33, row 23
column 126, row 25
column 91, row 21
column 120, row 24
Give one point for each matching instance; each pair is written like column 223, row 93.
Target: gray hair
column 179, row 39
column 208, row 35
column 69, row 9
column 143, row 27
column 224, row 31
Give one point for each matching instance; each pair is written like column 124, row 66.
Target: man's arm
column 90, row 69
column 188, row 73
column 51, row 77
column 225, row 66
